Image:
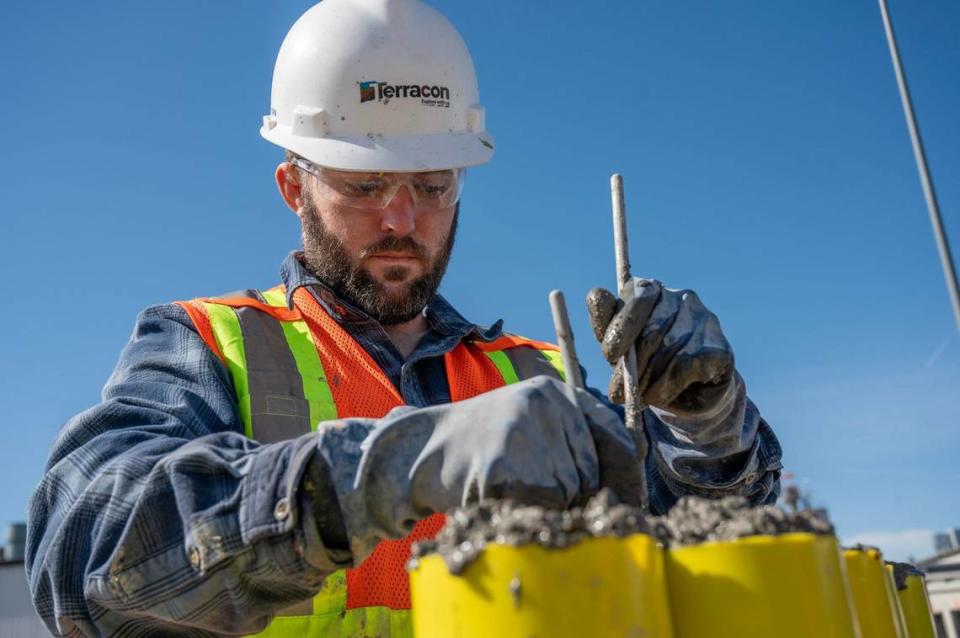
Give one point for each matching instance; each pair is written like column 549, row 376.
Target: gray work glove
column 539, row 442
column 684, row 363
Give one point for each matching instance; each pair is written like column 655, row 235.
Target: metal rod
column 561, row 323
column 631, row 385
column 629, row 362
column 943, row 246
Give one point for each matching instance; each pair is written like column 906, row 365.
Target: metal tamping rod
column 628, row 364
column 568, row 351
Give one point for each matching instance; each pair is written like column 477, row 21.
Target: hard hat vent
column 309, row 122
column 475, row 119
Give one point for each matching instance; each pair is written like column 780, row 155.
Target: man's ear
column 288, row 182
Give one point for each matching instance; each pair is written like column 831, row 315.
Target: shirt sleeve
column 731, row 451
column 157, row 512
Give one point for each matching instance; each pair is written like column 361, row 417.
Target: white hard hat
column 384, row 85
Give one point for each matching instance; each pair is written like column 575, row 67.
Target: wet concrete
column 692, row 520
column 901, row 571
column 469, row 531
column 696, row 520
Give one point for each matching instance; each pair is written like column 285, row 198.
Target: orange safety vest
column 295, row 367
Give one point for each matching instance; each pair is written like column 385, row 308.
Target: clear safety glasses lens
column 429, row 190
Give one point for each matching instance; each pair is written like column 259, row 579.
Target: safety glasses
column 429, row 190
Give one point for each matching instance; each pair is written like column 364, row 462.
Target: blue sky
column 766, row 161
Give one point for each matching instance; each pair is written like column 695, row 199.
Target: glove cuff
column 340, row 449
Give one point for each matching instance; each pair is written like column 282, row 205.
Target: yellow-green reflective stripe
column 275, row 297
column 363, row 622
column 315, row 388
column 226, row 330
column 556, row 360
column 502, row 361
column 331, row 617
column 332, row 598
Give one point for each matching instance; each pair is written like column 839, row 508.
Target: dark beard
column 325, row 256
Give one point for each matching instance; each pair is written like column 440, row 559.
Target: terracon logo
column 368, row 91
column 384, row 92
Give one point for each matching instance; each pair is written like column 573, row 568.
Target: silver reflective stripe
column 247, row 293
column 529, row 362
column 278, row 409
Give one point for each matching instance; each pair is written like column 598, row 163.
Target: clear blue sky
column 766, row 162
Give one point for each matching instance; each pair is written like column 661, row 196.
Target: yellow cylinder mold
column 789, row 586
column 600, row 587
column 895, row 601
column 915, row 604
column 873, row 594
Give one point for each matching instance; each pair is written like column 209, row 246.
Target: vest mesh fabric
column 470, row 372
column 359, row 386
column 382, row 579
column 198, row 315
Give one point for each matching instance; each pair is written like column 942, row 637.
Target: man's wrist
column 709, row 427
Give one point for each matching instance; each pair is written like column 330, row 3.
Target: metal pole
column 631, row 384
column 946, row 259
column 568, row 351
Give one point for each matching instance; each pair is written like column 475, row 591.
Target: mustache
column 396, row 244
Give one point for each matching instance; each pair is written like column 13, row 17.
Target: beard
column 326, row 257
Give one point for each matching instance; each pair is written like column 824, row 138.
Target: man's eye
column 433, row 188
column 363, row 189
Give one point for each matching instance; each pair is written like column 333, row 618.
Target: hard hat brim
column 409, row 153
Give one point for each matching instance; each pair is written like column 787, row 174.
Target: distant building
column 943, row 584
column 943, row 542
column 17, row 616
column 16, row 541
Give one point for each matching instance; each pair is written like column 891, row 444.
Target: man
column 262, row 461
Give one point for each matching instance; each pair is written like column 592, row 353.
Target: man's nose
column 399, row 216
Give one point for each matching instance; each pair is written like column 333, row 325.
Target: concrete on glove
column 684, row 361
